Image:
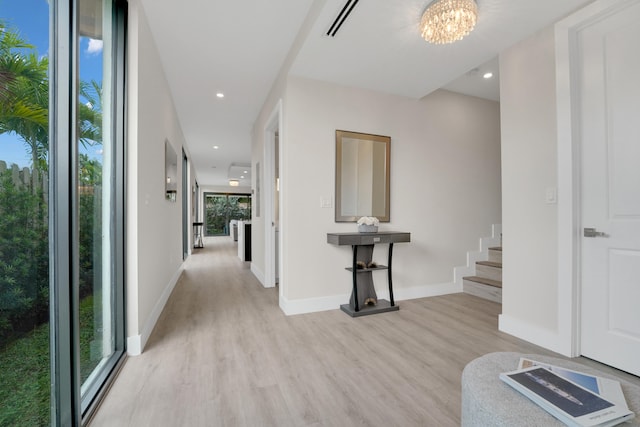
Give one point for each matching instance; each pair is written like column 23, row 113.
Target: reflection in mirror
column 362, row 176
column 170, row 171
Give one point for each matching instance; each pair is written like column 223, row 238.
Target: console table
column 197, row 235
column 364, row 292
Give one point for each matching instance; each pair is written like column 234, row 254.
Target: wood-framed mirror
column 362, row 176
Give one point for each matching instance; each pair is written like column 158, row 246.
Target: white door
column 609, row 127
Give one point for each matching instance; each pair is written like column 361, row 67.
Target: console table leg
column 391, row 300
column 355, row 279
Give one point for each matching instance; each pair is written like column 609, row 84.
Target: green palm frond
column 90, row 113
column 14, row 65
column 24, row 97
column 19, row 117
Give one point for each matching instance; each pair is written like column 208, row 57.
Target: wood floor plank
column 224, row 354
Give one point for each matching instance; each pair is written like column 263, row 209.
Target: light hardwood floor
column 223, row 354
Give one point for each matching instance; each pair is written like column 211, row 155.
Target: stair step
column 484, row 281
column 487, row 281
column 490, row 264
column 483, row 288
column 495, row 254
column 489, row 270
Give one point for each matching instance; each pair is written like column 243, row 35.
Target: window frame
column 226, row 195
column 67, row 407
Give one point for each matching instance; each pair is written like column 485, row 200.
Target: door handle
column 591, row 232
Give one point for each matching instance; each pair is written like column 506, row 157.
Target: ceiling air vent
column 342, row 16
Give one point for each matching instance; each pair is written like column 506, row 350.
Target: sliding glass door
column 99, row 191
column 61, row 206
column 220, row 209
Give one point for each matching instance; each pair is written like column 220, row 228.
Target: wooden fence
column 27, row 178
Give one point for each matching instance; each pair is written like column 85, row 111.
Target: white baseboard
column 333, row 302
column 312, row 305
column 136, row 343
column 423, row 291
column 258, row 273
column 545, row 338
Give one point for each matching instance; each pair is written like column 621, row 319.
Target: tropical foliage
column 24, row 291
column 24, row 94
column 23, row 233
column 221, row 208
column 24, row 112
column 24, row 99
column 24, row 252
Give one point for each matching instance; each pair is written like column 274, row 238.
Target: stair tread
column 490, row 263
column 484, row 281
column 496, row 248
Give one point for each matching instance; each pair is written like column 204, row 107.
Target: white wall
column 154, row 231
column 445, row 187
column 529, row 168
column 271, row 104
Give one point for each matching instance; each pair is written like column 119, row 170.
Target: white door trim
column 273, row 125
column 569, row 226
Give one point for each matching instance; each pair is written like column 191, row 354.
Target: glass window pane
column 24, row 254
column 95, row 191
column 221, row 209
column 215, row 215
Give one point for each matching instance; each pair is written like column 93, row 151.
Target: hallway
column 223, row 353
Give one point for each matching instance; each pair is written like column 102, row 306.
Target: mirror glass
column 170, row 171
column 362, row 176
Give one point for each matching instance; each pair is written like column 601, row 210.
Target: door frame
column 273, row 125
column 186, row 246
column 569, row 169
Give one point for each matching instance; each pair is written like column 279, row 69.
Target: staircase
column 487, row 282
column 482, row 276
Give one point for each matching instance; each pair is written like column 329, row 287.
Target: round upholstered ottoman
column 487, row 401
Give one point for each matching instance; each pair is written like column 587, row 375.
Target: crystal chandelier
column 446, row 21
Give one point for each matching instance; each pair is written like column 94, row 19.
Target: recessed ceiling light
column 242, row 176
column 215, row 147
column 487, row 75
column 234, row 182
column 245, row 172
column 220, row 95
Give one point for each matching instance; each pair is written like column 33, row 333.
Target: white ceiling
column 238, row 48
column 473, row 83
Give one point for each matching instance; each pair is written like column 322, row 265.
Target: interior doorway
column 185, row 206
column 610, row 264
column 276, row 205
column 272, row 200
column 596, row 80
